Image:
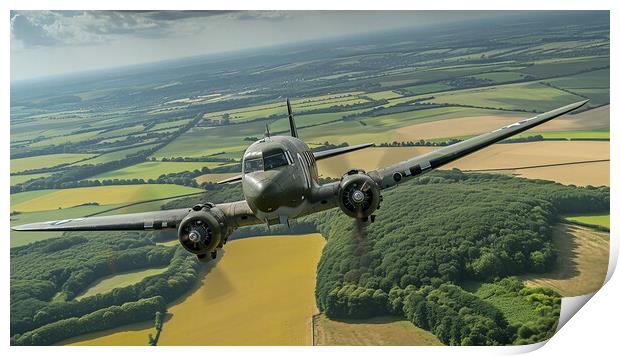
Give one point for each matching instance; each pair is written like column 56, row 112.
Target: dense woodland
column 445, row 229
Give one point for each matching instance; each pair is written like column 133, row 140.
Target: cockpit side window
column 274, row 160
column 252, row 165
column 289, row 157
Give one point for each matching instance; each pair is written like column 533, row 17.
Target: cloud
column 181, row 14
column 57, row 28
column 29, row 33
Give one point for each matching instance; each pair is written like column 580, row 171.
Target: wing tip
column 577, row 105
column 23, row 228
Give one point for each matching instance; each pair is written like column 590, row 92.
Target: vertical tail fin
column 291, row 120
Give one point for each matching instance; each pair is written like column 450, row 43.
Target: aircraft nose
column 265, row 195
column 268, row 198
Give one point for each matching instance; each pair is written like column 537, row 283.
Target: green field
column 388, row 94
column 600, row 220
column 201, row 141
column 58, row 140
column 264, row 111
column 152, row 170
column 589, row 80
column 597, row 96
column 119, row 280
column 534, row 96
column 47, row 161
column 427, row 88
column 115, row 156
column 302, row 121
column 500, row 77
column 26, row 177
column 565, row 66
column 52, row 199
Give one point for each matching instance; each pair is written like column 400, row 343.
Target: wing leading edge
column 404, row 170
column 237, row 214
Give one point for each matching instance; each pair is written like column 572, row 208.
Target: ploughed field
column 377, row 331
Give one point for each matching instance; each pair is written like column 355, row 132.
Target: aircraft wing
column 237, row 213
column 338, row 151
column 405, row 170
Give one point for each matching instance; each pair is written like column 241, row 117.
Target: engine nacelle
column 204, row 229
column 358, row 195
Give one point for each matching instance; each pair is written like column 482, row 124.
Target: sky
column 48, row 43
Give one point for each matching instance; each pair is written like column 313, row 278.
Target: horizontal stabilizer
column 231, row 179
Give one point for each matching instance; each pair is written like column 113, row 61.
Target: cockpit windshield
column 275, row 160
column 252, row 165
column 271, row 159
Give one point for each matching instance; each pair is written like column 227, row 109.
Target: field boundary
column 313, row 328
column 537, row 166
column 142, row 202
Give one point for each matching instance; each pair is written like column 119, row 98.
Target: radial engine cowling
column 203, row 230
column 358, row 195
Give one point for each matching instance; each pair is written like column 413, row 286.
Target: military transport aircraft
column 280, row 182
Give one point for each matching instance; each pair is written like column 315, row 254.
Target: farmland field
column 47, row 161
column 116, row 155
column 16, row 179
column 505, row 158
column 600, row 220
column 379, row 331
column 581, row 174
column 119, row 281
column 581, row 267
column 534, row 96
column 103, row 195
column 591, row 121
column 152, row 170
column 247, row 284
